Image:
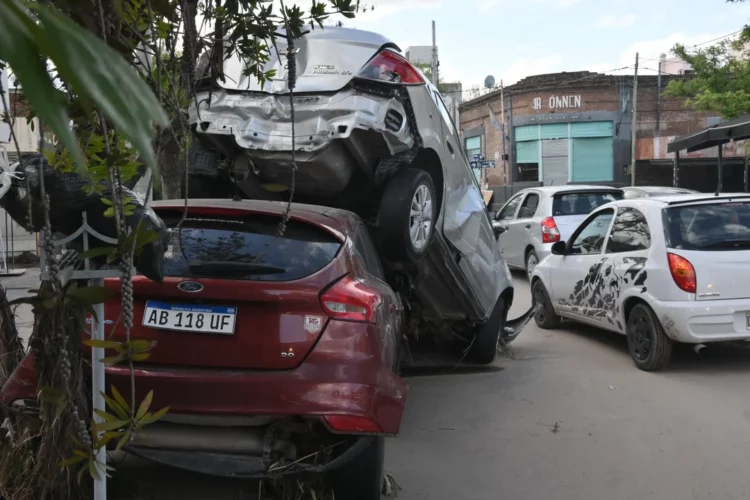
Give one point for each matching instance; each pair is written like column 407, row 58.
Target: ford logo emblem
column 190, row 286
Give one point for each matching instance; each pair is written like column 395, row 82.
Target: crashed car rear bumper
column 262, row 122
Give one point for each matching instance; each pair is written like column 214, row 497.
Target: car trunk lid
column 570, row 208
column 715, row 239
column 326, row 61
column 235, row 295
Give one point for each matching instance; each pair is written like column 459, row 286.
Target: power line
column 719, row 38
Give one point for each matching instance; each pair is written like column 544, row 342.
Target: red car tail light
column 390, row 67
column 550, row 233
column 350, row 300
column 683, row 272
column 352, row 423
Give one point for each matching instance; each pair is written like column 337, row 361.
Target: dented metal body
column 351, row 135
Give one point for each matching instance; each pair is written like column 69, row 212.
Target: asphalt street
column 571, row 418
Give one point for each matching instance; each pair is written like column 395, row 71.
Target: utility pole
column 435, row 63
column 633, row 124
column 502, row 121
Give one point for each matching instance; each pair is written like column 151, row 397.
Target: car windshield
column 581, row 203
column 247, row 249
column 720, row 226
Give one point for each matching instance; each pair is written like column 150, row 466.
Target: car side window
column 590, row 239
column 630, row 232
column 529, row 206
column 509, row 210
column 630, row 194
column 365, row 248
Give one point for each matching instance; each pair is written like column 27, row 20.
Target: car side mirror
column 558, row 248
column 497, row 228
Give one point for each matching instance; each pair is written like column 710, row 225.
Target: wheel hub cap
column 420, row 220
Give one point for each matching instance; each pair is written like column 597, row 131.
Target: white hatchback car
column 659, row 270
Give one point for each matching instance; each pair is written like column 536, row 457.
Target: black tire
column 362, row 478
column 649, row 346
column 484, row 348
column 545, row 316
column 394, row 216
column 529, row 255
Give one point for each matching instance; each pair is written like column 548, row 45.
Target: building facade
column 569, row 128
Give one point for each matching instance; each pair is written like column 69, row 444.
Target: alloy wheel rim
column 420, row 217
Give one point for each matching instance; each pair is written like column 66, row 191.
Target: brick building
column 576, row 128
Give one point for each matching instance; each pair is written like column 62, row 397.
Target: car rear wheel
column 484, row 348
column 362, row 478
column 545, row 315
column 408, row 211
column 649, row 346
column 531, row 261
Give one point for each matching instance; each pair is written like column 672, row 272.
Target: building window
column 473, row 146
column 527, row 161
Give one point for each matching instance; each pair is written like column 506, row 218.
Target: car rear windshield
column 582, row 203
column 247, row 249
column 720, row 226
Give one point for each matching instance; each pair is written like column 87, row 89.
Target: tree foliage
column 720, row 80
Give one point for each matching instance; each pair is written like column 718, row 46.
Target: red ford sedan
column 276, row 354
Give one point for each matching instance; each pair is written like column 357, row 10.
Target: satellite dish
column 489, row 82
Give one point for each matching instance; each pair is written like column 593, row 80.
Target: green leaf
column 121, row 400
column 141, row 345
column 113, row 360
column 19, row 47
column 150, row 418
column 91, row 294
column 120, row 411
column 104, row 344
column 72, row 461
column 112, row 425
column 101, row 76
column 145, row 405
column 107, row 417
column 142, row 356
column 92, row 469
column 124, row 440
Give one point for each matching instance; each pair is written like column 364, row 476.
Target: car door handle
column 450, row 148
column 528, row 226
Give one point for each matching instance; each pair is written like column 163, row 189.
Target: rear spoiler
column 710, row 198
column 589, row 191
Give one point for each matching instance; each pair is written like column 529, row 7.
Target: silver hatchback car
column 535, row 218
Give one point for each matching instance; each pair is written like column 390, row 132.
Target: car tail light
column 390, row 67
column 683, row 272
column 550, row 233
column 352, row 423
column 350, row 300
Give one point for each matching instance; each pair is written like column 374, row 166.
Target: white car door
column 576, row 282
column 624, row 266
column 519, row 231
column 506, row 216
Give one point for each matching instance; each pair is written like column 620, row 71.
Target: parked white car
column 535, row 218
column 658, row 270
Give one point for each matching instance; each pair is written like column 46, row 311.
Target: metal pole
column 98, row 387
column 502, row 121
column 658, row 94
column 745, row 176
column 435, row 70
column 633, row 123
column 719, row 184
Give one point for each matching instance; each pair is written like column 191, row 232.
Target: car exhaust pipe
column 194, row 438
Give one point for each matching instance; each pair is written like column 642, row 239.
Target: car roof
column 683, row 198
column 340, row 221
column 571, row 187
column 659, row 189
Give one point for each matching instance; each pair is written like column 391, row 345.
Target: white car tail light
column 390, row 67
column 683, row 272
column 350, row 300
column 550, row 233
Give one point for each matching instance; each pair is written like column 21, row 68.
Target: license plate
column 190, row 318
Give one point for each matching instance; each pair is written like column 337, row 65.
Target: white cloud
column 523, row 67
column 484, row 5
column 615, row 21
column 381, row 9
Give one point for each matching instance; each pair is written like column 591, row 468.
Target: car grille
column 393, row 120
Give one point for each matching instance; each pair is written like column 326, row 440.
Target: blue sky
column 511, row 39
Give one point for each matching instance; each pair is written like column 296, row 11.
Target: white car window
column 509, row 210
column 630, row 232
column 590, row 239
column 529, row 206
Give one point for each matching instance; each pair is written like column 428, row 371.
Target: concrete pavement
column 571, row 418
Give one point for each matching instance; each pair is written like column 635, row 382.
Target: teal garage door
column 592, row 152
